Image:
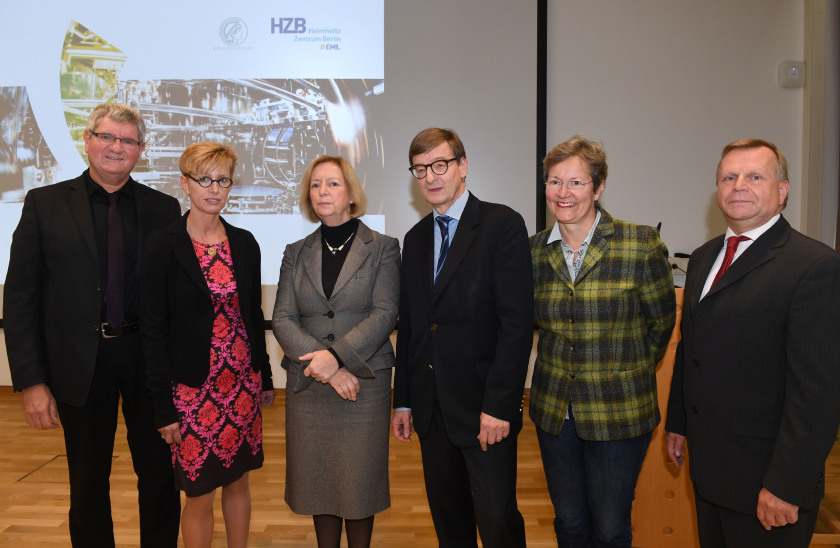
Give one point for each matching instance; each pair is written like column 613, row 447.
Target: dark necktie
column 443, row 224
column 731, row 247
column 115, row 292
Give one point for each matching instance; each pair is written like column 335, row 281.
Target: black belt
column 109, row 332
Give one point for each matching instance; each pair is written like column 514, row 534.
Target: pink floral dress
column 221, row 421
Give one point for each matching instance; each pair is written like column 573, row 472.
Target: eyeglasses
column 205, row 181
column 573, row 185
column 111, row 140
column 439, row 167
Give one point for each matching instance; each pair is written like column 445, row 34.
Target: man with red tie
column 757, row 373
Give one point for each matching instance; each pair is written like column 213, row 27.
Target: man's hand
column 401, row 423
column 492, row 430
column 171, row 433
column 39, row 408
column 322, row 366
column 345, row 384
column 773, row 511
column 676, row 447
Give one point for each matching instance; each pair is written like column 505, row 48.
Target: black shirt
column 127, row 208
column 332, row 260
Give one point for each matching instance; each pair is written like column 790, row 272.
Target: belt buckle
column 105, row 335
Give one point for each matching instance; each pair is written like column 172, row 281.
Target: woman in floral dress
column 207, row 367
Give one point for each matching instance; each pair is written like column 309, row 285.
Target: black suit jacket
column 177, row 316
column 756, row 386
column 468, row 342
column 52, row 299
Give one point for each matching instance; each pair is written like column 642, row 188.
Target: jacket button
column 431, row 366
column 692, row 410
column 572, row 375
column 331, row 337
column 433, row 327
column 695, row 363
column 331, row 314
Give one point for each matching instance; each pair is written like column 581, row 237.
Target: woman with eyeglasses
column 207, row 367
column 605, row 308
column 336, row 308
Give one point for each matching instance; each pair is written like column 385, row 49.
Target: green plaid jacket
column 601, row 336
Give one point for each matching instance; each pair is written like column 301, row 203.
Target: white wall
column 665, row 85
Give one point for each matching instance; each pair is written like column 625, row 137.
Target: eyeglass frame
column 557, row 183
column 113, row 139
column 427, row 167
column 210, row 181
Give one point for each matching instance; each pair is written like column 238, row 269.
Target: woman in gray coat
column 336, row 307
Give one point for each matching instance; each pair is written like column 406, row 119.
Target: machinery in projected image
column 276, row 126
column 25, row 159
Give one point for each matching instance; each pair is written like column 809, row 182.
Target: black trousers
column 470, row 487
column 89, row 440
column 720, row 527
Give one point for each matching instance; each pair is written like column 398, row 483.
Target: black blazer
column 52, row 299
column 756, row 386
column 176, row 312
column 468, row 341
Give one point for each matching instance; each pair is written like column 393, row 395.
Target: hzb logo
column 288, row 25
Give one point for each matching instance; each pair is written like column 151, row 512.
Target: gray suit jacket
column 356, row 321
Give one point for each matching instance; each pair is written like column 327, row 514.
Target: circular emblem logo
column 233, row 31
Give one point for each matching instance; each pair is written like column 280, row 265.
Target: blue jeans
column 591, row 484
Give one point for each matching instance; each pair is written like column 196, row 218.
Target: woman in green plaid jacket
column 605, row 309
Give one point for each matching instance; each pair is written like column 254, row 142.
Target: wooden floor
column 34, row 493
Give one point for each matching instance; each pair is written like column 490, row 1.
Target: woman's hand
column 267, row 398
column 322, row 365
column 171, row 433
column 345, row 384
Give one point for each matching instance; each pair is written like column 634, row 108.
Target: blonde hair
column 358, row 201
column 205, row 157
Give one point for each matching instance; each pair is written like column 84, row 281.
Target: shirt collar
column 456, row 209
column 92, row 186
column 555, row 235
column 756, row 232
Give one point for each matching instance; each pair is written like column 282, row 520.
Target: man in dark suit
column 465, row 335
column 756, row 386
column 70, row 311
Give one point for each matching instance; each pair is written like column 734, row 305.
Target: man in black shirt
column 70, row 317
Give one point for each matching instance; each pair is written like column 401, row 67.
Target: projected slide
column 282, row 85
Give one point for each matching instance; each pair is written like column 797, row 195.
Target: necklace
column 335, row 250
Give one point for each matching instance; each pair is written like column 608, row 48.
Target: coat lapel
column 554, row 252
column 598, row 246
column 458, row 247
column 702, row 264
column 79, row 202
column 241, row 267
column 311, row 257
column 356, row 255
column 184, row 251
column 426, row 242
